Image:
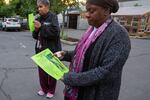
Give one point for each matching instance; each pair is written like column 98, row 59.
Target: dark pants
column 48, row 84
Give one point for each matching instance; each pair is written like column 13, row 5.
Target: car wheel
column 19, row 30
column 5, row 29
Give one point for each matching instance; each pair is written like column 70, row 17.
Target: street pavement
column 19, row 75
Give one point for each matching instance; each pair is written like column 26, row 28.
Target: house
column 133, row 14
column 73, row 18
column 134, row 19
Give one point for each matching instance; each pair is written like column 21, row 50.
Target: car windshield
column 13, row 20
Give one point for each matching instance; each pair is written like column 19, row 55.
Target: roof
column 126, row 0
column 130, row 11
column 74, row 11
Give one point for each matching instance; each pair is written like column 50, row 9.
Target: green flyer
column 31, row 22
column 50, row 64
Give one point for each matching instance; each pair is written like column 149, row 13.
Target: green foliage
column 63, row 35
column 24, row 7
column 7, row 10
column 57, row 6
column 69, row 2
column 1, row 2
column 17, row 7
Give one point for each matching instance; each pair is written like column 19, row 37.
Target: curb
column 133, row 37
column 138, row 37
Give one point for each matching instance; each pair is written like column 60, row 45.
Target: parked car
column 1, row 26
column 11, row 23
column 24, row 24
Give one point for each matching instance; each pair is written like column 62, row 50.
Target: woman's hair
column 45, row 2
column 108, row 4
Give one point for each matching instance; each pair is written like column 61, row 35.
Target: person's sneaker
column 49, row 95
column 41, row 93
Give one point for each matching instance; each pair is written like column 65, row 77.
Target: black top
column 85, row 68
column 49, row 33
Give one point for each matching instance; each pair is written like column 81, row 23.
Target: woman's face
column 43, row 9
column 96, row 15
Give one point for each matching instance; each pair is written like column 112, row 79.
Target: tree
column 24, row 7
column 5, row 10
column 61, row 6
column 57, row 6
column 17, row 7
column 1, row 2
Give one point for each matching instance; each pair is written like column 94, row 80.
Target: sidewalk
column 74, row 33
column 77, row 34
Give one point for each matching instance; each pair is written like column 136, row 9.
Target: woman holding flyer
column 98, row 59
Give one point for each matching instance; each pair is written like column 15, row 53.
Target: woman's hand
column 60, row 54
column 37, row 25
column 62, row 79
